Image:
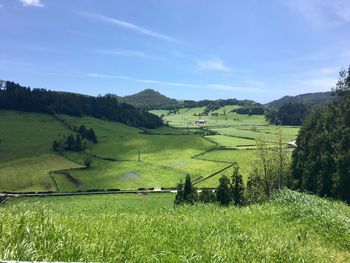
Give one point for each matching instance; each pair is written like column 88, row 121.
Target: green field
column 25, row 151
column 167, row 154
column 293, row 227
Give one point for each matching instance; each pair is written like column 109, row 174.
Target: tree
column 321, row 162
column 255, row 190
column 189, row 193
column 88, row 157
column 70, row 143
column 179, row 194
column 223, row 193
column 90, row 135
column 237, row 186
column 271, row 163
column 78, row 144
column 207, row 196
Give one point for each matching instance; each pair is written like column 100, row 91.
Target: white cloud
column 126, row 52
column 329, row 70
column 128, row 25
column 322, row 12
column 213, row 64
column 35, row 3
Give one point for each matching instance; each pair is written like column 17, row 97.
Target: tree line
column 15, row 97
column 74, row 143
column 321, row 162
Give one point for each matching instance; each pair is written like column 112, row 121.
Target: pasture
column 293, row 227
column 167, row 154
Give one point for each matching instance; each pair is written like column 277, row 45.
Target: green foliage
column 179, row 198
column 207, row 196
column 255, row 190
column 321, row 162
column 237, row 186
column 88, row 156
column 288, row 114
column 186, row 193
column 223, row 193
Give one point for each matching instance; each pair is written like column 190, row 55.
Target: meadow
column 292, row 227
column 167, row 154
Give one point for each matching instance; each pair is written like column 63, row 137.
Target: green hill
column 311, row 99
column 149, row 100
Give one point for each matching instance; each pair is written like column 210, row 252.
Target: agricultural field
column 25, row 151
column 293, row 227
column 167, row 154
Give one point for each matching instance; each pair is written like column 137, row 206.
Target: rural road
column 85, row 193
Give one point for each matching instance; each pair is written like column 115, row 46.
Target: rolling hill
column 311, row 99
column 149, row 100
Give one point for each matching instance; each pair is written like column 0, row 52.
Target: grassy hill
column 293, row 227
column 149, row 99
column 312, row 99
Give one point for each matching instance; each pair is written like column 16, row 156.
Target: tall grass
column 292, row 228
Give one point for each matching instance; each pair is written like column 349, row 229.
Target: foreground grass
column 292, row 228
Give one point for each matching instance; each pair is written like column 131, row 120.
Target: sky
column 185, row 49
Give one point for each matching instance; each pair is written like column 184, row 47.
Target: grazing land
column 167, row 154
column 293, row 227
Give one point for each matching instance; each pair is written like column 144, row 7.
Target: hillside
column 311, row 99
column 17, row 97
column 293, row 227
column 149, row 100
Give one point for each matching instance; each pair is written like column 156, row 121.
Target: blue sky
column 199, row 49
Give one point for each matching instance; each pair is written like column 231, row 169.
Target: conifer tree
column 190, row 193
column 223, row 193
column 237, row 186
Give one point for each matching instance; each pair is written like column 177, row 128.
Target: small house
column 200, row 122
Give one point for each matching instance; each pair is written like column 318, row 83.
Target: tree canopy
column 321, row 162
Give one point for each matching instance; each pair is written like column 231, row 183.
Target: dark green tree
column 179, row 198
column 78, row 144
column 190, row 193
column 237, row 186
column 321, row 162
column 88, row 156
column 223, row 193
column 70, row 143
column 207, row 196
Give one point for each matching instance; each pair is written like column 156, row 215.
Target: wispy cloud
column 222, row 87
column 329, row 70
column 35, row 3
column 175, row 84
column 322, row 12
column 128, row 25
column 213, row 64
column 127, row 53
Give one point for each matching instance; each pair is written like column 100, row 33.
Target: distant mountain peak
column 149, row 99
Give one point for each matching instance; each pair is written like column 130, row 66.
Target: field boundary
column 212, row 175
